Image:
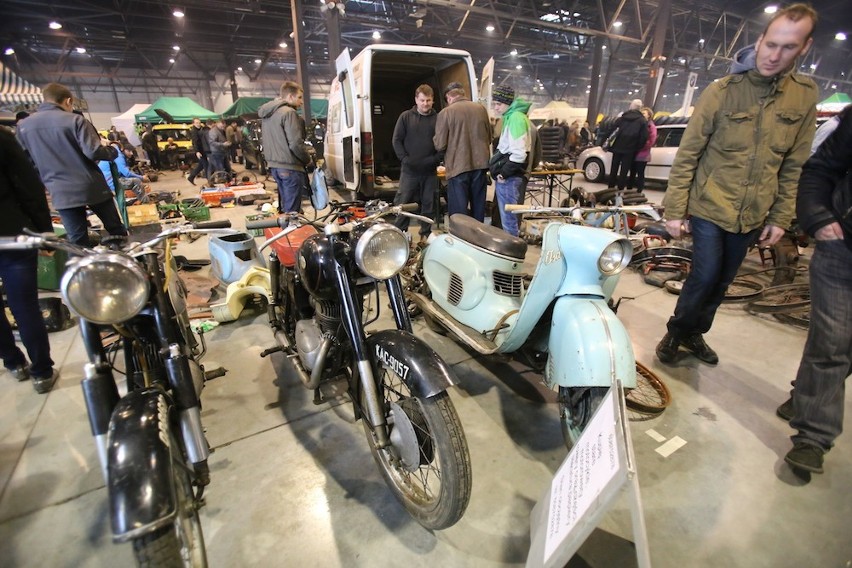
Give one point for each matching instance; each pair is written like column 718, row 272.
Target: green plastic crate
column 51, row 267
column 195, row 213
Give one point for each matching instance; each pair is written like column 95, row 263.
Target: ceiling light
column 833, row 86
column 239, row 68
column 616, row 24
column 171, row 60
column 9, row 51
column 176, row 47
column 489, row 28
column 513, row 52
column 519, row 66
column 840, row 36
column 81, row 50
column 555, row 56
column 603, row 47
column 54, row 25
column 377, row 35
column 771, row 9
column 576, row 14
column 283, row 45
column 813, row 66
column 178, row 13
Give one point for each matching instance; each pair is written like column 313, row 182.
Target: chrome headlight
column 381, row 251
column 615, row 257
column 105, row 288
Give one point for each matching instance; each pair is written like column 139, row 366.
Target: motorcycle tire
column 577, row 405
column 181, row 543
column 437, row 491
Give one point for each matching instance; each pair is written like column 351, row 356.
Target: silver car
column 596, row 163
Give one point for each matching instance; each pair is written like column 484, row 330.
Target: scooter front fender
column 588, row 346
column 420, row 368
column 139, row 465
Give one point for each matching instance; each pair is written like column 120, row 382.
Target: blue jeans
column 819, row 388
column 74, row 221
column 291, row 185
column 219, row 163
column 18, row 271
column 716, row 257
column 466, row 194
column 509, row 192
column 420, row 189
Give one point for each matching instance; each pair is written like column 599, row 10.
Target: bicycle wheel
column 651, row 396
column 782, row 299
column 743, row 289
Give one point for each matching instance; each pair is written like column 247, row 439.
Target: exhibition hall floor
column 294, row 484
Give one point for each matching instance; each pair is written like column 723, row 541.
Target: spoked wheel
column 577, row 405
column 798, row 318
column 219, row 178
column 782, row 299
column 651, row 396
column 427, row 465
column 247, row 177
column 743, row 289
column 182, row 542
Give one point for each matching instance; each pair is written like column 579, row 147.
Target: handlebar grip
column 409, row 207
column 514, row 207
column 268, row 223
column 223, row 224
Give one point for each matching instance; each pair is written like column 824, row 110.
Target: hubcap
column 404, row 438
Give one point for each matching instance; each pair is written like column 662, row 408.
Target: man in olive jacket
column 463, row 134
column 737, row 169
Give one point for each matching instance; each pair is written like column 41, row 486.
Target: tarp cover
column 834, row 103
column 16, row 91
column 126, row 120
column 245, row 105
column 182, row 109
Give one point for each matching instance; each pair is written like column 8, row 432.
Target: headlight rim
column 626, row 250
column 364, row 240
column 73, row 269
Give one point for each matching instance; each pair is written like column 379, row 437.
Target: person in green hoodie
column 508, row 165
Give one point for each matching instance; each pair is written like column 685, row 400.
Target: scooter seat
column 487, row 237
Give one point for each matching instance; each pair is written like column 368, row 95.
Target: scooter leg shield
column 422, row 370
column 139, row 465
column 588, row 346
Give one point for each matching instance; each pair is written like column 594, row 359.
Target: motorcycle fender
column 139, row 465
column 588, row 346
column 420, row 368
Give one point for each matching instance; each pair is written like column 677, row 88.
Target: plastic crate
column 51, row 267
column 195, row 212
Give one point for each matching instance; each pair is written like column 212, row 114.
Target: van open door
column 485, row 85
column 350, row 131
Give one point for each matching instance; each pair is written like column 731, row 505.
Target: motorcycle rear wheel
column 437, row 491
column 181, row 544
column 577, row 405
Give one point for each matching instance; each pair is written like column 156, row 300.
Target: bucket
column 231, row 256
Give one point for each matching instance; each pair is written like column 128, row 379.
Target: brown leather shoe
column 667, row 348
column 696, row 345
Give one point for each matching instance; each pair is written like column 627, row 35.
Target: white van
column 367, row 97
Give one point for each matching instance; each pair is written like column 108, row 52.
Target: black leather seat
column 487, row 237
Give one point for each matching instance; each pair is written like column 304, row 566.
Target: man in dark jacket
column 219, row 148
column 198, row 134
column 284, row 148
column 824, row 210
column 22, row 205
column 151, row 147
column 632, row 135
column 65, row 149
column 412, row 142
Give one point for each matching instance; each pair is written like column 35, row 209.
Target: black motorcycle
column 150, row 441
column 324, row 275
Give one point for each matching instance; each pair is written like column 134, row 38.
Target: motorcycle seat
column 487, row 237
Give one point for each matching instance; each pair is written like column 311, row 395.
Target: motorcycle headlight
column 615, row 257
column 381, row 251
column 105, row 288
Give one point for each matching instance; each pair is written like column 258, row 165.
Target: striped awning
column 16, row 91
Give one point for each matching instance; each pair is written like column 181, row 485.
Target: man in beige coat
column 463, row 135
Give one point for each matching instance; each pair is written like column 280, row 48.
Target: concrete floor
column 294, row 484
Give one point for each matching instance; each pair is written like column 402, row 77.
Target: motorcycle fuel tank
column 316, row 266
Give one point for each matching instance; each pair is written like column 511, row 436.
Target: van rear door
column 350, row 128
column 485, row 85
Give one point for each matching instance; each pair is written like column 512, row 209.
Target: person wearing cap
column 463, row 135
column 509, row 163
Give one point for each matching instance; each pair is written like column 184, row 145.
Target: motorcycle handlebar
column 20, row 242
column 269, row 223
column 222, row 224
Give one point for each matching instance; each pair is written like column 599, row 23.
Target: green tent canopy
column 837, row 98
column 319, row 108
column 245, row 105
column 182, row 110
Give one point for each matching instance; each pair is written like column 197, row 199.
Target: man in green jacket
column 737, row 169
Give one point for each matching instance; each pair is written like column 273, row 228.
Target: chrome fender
column 139, row 465
column 588, row 346
column 420, row 368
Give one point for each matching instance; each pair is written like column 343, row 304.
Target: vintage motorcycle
column 470, row 282
column 150, row 440
column 324, row 276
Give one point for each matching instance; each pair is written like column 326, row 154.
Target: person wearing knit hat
column 509, row 163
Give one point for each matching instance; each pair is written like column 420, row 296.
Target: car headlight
column 381, row 251
column 105, row 288
column 615, row 257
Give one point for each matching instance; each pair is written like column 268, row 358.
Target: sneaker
column 805, row 457
column 698, row 347
column 20, row 373
column 44, row 384
column 667, row 348
column 785, row 411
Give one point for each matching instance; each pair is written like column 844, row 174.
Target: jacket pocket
column 784, row 130
column 737, row 130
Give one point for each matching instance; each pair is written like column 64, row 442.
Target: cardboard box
column 146, row 214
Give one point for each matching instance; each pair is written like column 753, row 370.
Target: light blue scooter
column 470, row 282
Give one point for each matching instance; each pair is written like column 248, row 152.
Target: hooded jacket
column 739, row 161
column 65, row 148
column 22, row 199
column 463, row 134
column 632, row 132
column 283, row 136
column 412, row 141
column 515, row 140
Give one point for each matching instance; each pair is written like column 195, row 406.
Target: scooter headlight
column 615, row 257
column 105, row 288
column 381, row 251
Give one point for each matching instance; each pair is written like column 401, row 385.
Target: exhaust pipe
column 312, row 380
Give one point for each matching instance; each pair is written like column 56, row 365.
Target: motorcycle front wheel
column 577, row 405
column 427, row 465
column 181, row 544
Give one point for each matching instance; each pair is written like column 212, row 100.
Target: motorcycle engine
column 308, row 341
